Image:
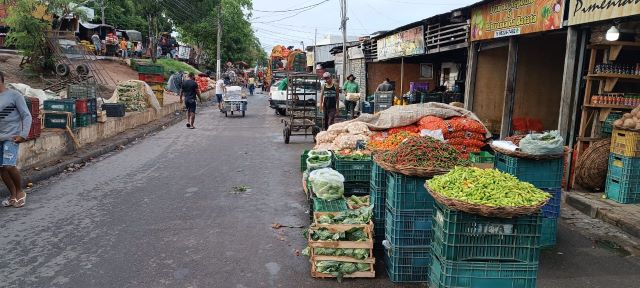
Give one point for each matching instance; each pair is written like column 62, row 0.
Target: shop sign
column 514, row 17
column 584, row 11
column 406, row 43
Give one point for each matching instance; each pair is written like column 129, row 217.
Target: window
column 426, row 71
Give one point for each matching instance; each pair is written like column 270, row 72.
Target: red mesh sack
column 466, row 142
column 408, row 128
column 465, row 124
column 466, row 135
column 466, row 149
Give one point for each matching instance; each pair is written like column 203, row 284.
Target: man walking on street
column 15, row 123
column 220, row 89
column 252, row 85
column 95, row 39
column 191, row 94
column 329, row 101
column 123, row 48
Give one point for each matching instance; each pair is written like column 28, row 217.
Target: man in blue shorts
column 15, row 123
column 191, row 94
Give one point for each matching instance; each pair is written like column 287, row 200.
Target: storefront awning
column 134, row 36
column 91, row 26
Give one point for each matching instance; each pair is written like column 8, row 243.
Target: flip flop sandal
column 8, row 202
column 188, row 125
column 20, row 202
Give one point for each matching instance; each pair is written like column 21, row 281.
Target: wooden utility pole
column 344, row 40
column 218, row 67
column 510, row 88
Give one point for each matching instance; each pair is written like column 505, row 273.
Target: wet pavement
column 195, row 208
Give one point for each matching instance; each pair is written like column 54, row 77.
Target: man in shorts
column 15, row 123
column 220, row 89
column 191, row 94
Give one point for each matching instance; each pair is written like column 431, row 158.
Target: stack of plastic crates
column 357, row 174
column 154, row 76
column 378, row 190
column 623, row 178
column 475, row 251
column 408, row 226
column 86, row 103
column 382, row 101
column 545, row 174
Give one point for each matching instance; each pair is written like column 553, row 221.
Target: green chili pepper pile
column 425, row 152
column 487, row 187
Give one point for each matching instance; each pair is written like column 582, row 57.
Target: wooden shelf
column 612, row 79
column 610, row 75
column 609, row 106
column 615, row 43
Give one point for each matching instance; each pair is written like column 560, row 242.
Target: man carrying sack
column 353, row 95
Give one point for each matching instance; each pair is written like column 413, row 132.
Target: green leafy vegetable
column 324, row 234
column 361, row 215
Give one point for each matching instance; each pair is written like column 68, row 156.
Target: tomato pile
column 379, row 142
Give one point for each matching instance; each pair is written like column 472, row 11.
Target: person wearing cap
column 329, row 101
column 351, row 88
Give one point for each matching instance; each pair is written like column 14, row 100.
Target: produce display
column 353, row 234
column 353, row 155
column 379, row 142
column 343, row 136
column 338, row 269
column 355, row 253
column 425, row 152
column 408, row 128
column 629, row 121
column 548, row 143
column 318, row 159
column 487, row 187
column 355, row 202
column 132, row 94
column 464, row 134
column 357, row 216
column 327, row 184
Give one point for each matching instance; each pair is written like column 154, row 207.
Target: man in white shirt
column 220, row 89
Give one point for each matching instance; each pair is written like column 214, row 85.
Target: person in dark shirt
column 191, row 94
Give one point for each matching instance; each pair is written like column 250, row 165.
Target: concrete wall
column 358, row 68
column 377, row 71
column 54, row 143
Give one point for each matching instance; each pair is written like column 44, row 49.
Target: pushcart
column 302, row 107
column 234, row 101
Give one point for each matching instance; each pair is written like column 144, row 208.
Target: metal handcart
column 302, row 106
column 234, row 101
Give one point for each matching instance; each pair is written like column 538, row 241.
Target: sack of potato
column 629, row 121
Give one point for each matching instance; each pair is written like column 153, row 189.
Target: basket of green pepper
column 486, row 192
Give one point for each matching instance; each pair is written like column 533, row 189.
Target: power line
column 291, row 10
column 291, row 16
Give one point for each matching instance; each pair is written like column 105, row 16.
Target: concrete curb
column 32, row 176
column 596, row 209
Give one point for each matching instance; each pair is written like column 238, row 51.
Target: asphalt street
column 195, row 208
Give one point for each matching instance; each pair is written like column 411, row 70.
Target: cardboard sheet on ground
column 397, row 116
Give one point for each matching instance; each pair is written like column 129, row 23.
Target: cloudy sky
column 365, row 17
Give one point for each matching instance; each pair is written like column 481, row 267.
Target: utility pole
column 218, row 67
column 344, row 40
column 102, row 10
column 315, row 44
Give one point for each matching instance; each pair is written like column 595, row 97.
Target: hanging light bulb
column 613, row 33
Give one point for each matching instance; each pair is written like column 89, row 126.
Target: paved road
column 164, row 213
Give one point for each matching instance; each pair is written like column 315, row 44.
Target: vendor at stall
column 329, row 102
column 351, row 100
column 385, row 86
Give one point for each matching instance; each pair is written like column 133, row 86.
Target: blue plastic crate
column 378, row 229
column 378, row 176
column 544, row 174
column 376, row 197
column 459, row 236
column 623, row 192
column 625, row 168
column 552, row 208
column 407, row 193
column 407, row 264
column 549, row 232
column 466, row 274
column 408, row 228
column 338, row 205
column 356, row 188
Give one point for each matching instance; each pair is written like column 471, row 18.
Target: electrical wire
column 291, row 10
column 290, row 16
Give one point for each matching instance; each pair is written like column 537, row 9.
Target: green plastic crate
column 607, row 124
column 377, row 198
column 320, row 205
column 407, row 264
column 407, row 193
column 544, row 174
column 58, row 120
column 66, row 105
column 356, row 188
column 83, row 120
column 353, row 171
column 149, row 68
column 303, row 160
column 459, row 236
column 549, row 232
column 408, row 228
column 465, row 274
column 481, row 157
column 378, row 176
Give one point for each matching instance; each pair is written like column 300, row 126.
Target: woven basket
column 520, row 154
column 592, row 165
column 424, row 172
column 486, row 211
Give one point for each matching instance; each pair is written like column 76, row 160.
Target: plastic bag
column 327, row 184
column 318, row 159
column 542, row 144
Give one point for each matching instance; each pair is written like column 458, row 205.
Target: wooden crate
column 334, row 228
column 360, row 274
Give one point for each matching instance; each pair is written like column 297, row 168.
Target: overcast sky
column 365, row 17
